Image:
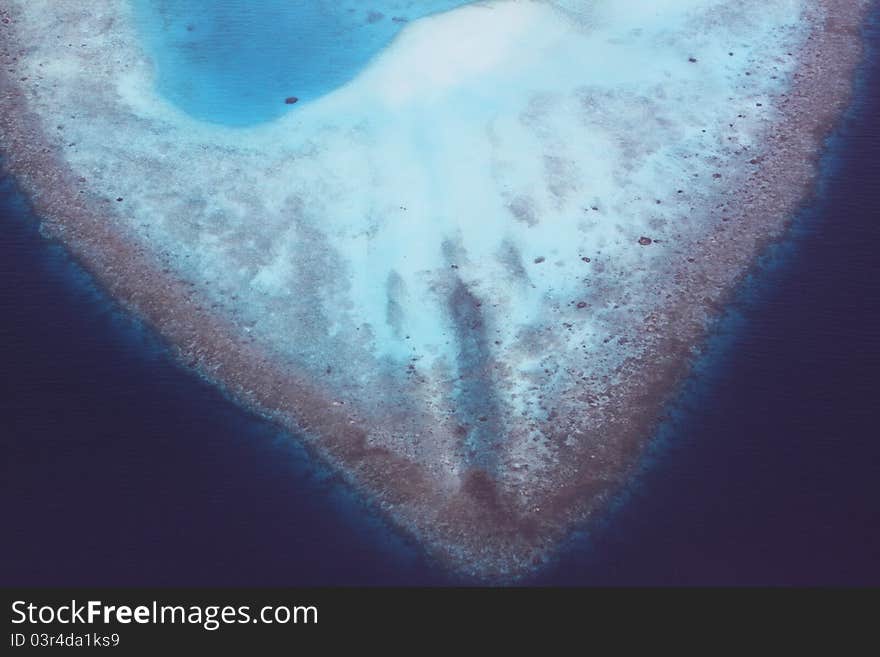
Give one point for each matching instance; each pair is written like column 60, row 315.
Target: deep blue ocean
column 122, row 468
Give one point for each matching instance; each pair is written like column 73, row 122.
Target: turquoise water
column 235, row 62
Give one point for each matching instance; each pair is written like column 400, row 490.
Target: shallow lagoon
column 236, row 61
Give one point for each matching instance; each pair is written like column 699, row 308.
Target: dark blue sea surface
column 120, row 467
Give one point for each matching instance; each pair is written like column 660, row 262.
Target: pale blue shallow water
column 235, row 62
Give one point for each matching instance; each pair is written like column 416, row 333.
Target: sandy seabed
column 495, row 513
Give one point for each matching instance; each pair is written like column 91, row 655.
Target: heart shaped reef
column 470, row 277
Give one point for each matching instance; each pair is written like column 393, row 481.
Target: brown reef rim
column 476, row 530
